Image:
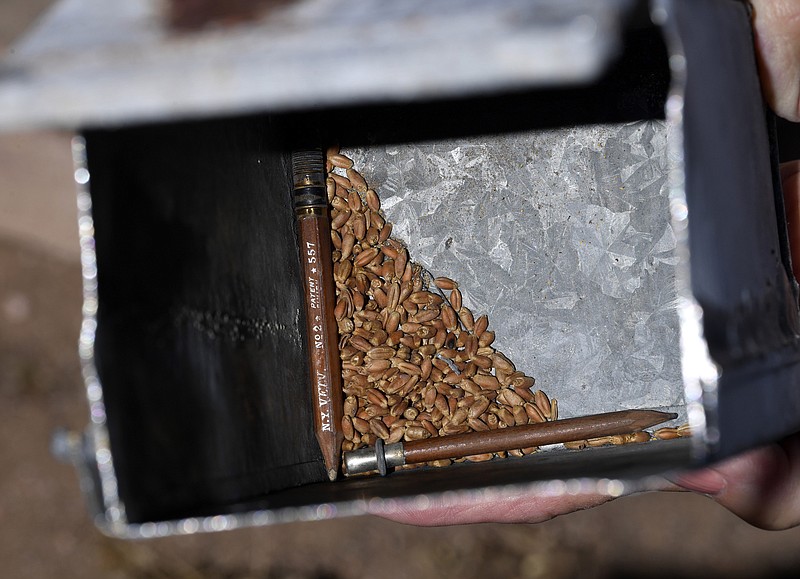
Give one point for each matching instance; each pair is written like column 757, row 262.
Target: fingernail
column 707, row 481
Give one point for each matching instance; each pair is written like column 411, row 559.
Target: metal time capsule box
column 600, row 178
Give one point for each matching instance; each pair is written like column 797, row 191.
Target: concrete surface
column 44, row 528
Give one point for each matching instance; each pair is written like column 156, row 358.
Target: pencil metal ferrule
column 381, row 457
column 308, row 179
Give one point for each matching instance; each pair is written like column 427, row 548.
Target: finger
column 524, row 507
column 776, row 30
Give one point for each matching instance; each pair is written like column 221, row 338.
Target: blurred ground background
column 46, row 532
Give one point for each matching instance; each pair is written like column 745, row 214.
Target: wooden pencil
column 456, row 446
column 313, row 224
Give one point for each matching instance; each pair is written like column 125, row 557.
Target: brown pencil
column 311, row 210
column 383, row 457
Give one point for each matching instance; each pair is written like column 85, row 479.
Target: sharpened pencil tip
column 332, row 474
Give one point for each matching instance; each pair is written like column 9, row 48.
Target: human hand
column 513, row 507
column 776, row 28
column 761, row 486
